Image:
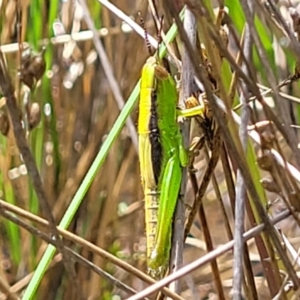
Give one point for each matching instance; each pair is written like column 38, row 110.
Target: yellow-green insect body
column 162, row 156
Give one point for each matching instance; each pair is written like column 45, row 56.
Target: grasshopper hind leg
column 159, row 258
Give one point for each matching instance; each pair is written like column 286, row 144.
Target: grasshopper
column 162, row 156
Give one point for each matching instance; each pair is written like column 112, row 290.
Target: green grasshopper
column 162, row 156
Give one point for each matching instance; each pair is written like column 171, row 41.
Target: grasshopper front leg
column 193, row 108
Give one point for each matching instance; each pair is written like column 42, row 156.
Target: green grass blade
column 35, row 23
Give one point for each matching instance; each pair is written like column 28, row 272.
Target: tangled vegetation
column 72, row 222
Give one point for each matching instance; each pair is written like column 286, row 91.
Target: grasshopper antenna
column 148, row 45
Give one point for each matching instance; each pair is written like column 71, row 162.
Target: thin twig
column 240, row 183
column 187, row 78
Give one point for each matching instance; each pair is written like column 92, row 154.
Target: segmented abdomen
column 151, row 209
column 150, row 153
